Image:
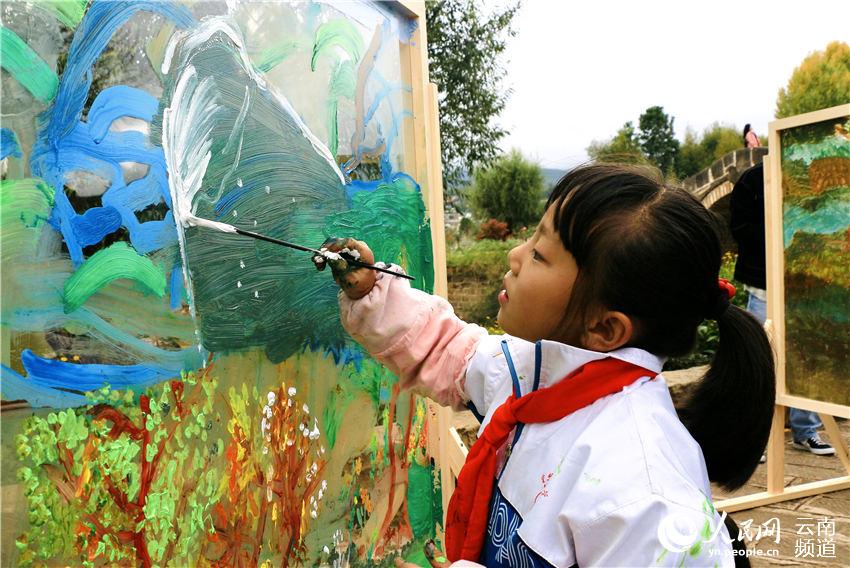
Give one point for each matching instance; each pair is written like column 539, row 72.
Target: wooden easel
column 776, row 490
column 444, row 443
column 775, row 327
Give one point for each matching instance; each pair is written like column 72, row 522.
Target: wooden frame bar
column 445, row 445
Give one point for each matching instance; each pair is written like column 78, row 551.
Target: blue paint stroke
column 229, row 201
column 407, row 29
column 344, row 355
column 52, row 373
column 119, row 341
column 830, row 147
column 831, row 217
column 44, row 376
column 16, row 387
column 9, row 144
column 116, row 102
column 177, row 288
column 96, row 223
column 65, row 144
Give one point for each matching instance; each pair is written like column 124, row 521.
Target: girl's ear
column 610, row 331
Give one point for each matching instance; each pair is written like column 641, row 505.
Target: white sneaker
column 816, row 446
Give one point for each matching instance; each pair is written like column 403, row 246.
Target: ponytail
column 730, row 412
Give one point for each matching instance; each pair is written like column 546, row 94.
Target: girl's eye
column 536, row 255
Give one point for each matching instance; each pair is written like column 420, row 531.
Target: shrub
column 493, row 229
column 509, row 190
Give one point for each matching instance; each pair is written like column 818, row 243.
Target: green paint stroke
column 420, row 500
column 69, row 12
column 337, row 33
column 343, row 35
column 343, row 84
column 392, row 219
column 24, row 209
column 273, row 56
column 112, row 263
column 27, row 67
column 25, row 205
column 338, row 402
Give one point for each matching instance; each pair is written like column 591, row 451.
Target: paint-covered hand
column 435, row 558
column 355, row 281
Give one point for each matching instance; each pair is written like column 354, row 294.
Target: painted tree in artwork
column 126, row 480
column 140, row 479
column 273, row 482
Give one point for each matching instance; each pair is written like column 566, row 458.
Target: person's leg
column 804, row 424
column 804, row 431
column 757, row 307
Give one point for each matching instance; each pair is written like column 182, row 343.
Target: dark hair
column 653, row 252
column 746, row 129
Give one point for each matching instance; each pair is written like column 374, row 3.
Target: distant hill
column 551, row 177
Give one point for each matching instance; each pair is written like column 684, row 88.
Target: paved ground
column 800, row 515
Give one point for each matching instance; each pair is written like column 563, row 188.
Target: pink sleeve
column 416, row 335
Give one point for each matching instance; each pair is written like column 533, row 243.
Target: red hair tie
column 725, row 292
column 727, row 287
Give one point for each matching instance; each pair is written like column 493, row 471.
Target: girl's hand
column 432, row 553
column 355, row 281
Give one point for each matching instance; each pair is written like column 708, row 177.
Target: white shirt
column 607, row 485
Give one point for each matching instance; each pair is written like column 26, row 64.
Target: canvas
column 177, row 396
column 815, row 169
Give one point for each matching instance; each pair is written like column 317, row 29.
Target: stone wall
column 467, row 292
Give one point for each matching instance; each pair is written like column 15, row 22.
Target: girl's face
column 537, row 288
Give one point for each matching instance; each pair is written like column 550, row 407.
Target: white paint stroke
column 194, row 38
column 193, row 221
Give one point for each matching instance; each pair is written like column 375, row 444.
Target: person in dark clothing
column 747, row 208
column 747, row 224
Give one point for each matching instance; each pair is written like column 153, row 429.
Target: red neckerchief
column 466, row 521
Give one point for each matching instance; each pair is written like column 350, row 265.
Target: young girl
column 582, row 458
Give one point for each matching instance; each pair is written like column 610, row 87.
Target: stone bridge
column 716, row 181
column 713, row 186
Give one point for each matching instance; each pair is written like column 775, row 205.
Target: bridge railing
column 727, row 168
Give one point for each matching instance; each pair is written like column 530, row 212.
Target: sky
column 579, row 70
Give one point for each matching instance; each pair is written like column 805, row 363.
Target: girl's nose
column 513, row 259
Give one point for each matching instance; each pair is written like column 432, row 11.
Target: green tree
column 464, row 49
column 624, row 147
column 821, row 81
column 656, row 138
column 692, row 157
column 510, row 190
column 697, row 152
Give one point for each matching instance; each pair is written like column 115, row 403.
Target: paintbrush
column 225, row 228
